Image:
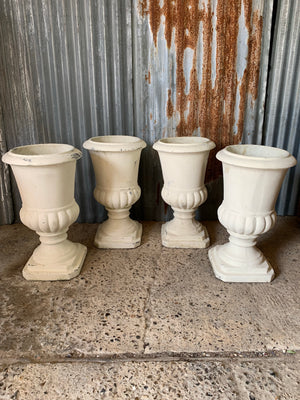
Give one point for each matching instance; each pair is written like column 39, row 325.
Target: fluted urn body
column 253, row 176
column 45, row 175
column 116, row 161
column 183, row 161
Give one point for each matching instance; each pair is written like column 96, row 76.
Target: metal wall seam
column 282, row 118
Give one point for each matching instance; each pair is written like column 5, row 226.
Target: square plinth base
column 227, row 273
column 104, row 241
column 196, row 241
column 56, row 272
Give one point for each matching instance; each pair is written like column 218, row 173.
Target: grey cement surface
column 131, row 310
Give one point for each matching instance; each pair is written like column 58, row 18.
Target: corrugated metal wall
column 282, row 119
column 74, row 69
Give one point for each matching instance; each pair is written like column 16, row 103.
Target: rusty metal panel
column 282, row 119
column 200, row 68
column 77, row 68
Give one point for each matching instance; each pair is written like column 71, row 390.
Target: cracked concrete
column 147, row 307
column 149, row 317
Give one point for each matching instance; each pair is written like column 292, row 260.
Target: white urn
column 116, row 161
column 253, row 176
column 183, row 161
column 45, row 175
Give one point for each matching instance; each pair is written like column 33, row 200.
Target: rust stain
column 247, row 11
column 148, row 77
column 251, row 74
column 231, row 28
column 142, row 7
column 184, row 19
column 170, row 108
column 254, row 53
column 209, row 106
column 155, row 16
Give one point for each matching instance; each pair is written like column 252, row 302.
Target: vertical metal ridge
column 64, row 66
column 53, row 64
column 30, row 65
column 77, row 82
column 43, row 124
column 90, row 70
column 113, row 20
column 73, row 30
column 257, row 136
column 126, row 65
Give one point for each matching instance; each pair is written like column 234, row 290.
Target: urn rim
column 42, row 154
column 114, row 143
column 184, row 144
column 256, row 156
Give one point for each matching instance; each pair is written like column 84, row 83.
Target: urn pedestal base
column 184, row 234
column 118, row 231
column 55, row 268
column 240, row 269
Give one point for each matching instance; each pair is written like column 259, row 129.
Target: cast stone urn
column 45, row 175
column 116, row 161
column 183, row 161
column 253, row 176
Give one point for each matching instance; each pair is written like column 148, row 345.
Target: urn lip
column 42, row 154
column 184, row 144
column 114, row 143
column 256, row 156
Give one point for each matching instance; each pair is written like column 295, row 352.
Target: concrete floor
column 150, row 323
